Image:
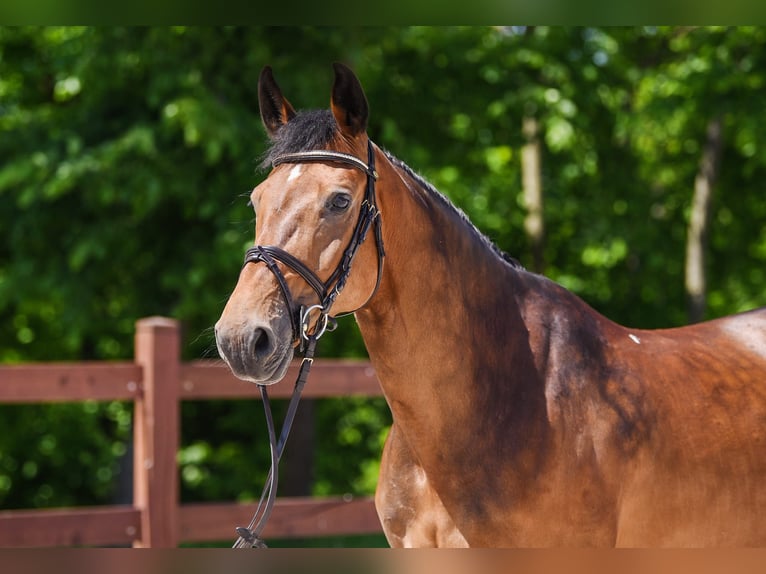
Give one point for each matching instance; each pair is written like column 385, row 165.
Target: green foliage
column 62, row 455
column 127, row 154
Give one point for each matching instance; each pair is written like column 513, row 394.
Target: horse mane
column 316, row 129
column 445, row 202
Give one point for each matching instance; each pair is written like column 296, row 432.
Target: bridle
column 301, row 317
column 329, row 290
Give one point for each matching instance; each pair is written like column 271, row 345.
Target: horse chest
column 410, row 510
column 413, row 513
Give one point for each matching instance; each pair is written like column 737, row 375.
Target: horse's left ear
column 348, row 102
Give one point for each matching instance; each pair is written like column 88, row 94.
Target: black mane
column 316, row 129
column 428, row 186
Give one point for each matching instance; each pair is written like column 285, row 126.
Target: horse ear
column 275, row 109
column 348, row 102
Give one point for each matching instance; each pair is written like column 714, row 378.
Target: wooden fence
column 156, row 382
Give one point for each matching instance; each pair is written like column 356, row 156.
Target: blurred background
column 624, row 163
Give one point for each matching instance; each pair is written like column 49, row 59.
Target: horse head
column 312, row 215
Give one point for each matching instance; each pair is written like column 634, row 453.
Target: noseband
column 327, row 291
column 300, row 317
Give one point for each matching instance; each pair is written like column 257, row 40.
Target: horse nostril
column 262, row 342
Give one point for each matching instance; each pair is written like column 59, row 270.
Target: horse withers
column 521, row 416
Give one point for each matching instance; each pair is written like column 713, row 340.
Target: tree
column 705, row 81
column 531, row 171
column 699, row 221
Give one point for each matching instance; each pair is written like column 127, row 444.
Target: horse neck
column 444, row 331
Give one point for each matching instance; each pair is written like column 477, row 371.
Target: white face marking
column 635, row 339
column 295, row 172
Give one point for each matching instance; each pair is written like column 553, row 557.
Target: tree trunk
column 699, row 221
column 531, row 175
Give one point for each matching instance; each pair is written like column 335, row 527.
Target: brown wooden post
column 156, row 432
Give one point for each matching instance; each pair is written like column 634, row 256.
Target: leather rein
column 301, row 317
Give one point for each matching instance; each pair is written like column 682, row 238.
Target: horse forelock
column 308, row 130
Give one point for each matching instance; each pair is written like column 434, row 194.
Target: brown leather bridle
column 327, row 291
column 301, row 317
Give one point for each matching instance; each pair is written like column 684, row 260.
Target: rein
column 301, row 317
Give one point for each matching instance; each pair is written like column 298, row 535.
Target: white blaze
column 295, row 172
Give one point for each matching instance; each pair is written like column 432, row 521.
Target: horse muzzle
column 259, row 353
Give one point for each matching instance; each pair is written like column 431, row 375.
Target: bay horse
column 521, row 416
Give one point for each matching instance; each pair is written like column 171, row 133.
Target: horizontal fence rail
column 156, row 382
column 57, row 382
column 199, row 380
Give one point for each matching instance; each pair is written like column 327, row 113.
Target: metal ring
column 321, row 324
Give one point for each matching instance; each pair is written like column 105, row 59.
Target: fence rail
column 156, row 382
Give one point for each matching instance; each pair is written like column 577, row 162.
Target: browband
column 325, row 155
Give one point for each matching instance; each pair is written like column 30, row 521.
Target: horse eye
column 339, row 202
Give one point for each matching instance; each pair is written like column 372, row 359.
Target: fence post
column 156, row 432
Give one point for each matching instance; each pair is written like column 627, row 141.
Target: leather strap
column 327, row 155
column 250, row 536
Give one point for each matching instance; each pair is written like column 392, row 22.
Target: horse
column 521, row 416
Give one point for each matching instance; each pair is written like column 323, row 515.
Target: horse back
column 670, row 423
column 694, row 476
